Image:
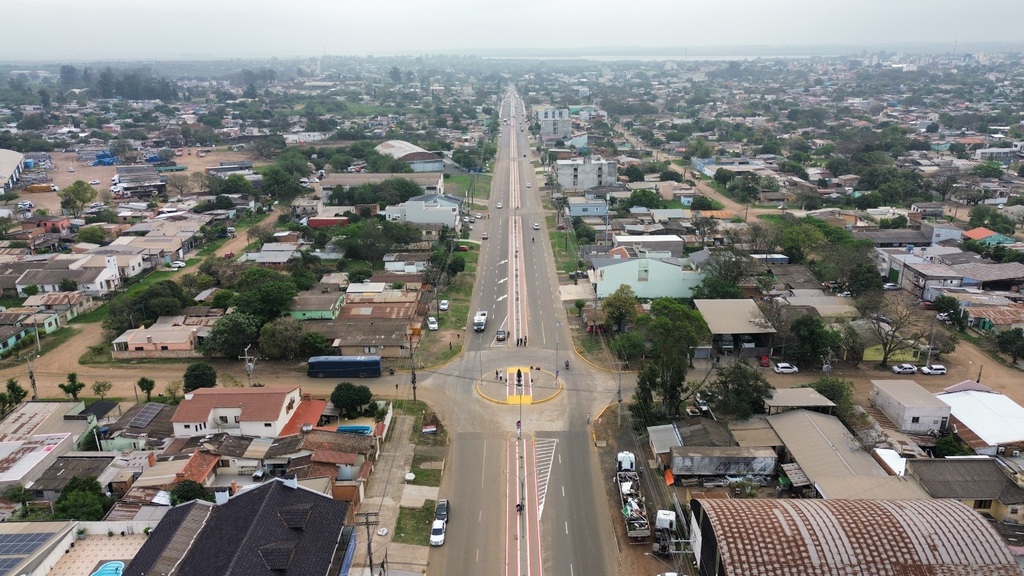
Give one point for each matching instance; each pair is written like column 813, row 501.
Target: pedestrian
column 449, row 345
column 525, row 340
column 495, row 374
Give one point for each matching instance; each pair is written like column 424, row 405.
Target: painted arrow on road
column 502, row 297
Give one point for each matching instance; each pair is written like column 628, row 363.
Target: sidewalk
column 385, row 492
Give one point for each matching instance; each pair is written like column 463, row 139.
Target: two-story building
column 649, row 278
column 262, row 412
column 586, row 207
column 424, row 212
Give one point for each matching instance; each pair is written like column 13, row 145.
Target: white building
column 260, row 412
column 648, row 277
column 994, row 422
column 424, row 212
column 585, row 173
column 910, row 406
column 555, row 123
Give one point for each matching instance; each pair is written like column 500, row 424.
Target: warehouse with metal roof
column 809, row 537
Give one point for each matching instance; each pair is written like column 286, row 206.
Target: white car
column 528, row 185
column 904, row 369
column 499, row 205
column 785, row 368
column 94, row 182
column 934, row 369
column 437, row 532
column 536, row 226
column 889, row 287
column 442, row 305
column 479, row 216
column 178, row 264
column 431, row 323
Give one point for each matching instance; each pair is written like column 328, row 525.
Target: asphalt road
column 490, row 469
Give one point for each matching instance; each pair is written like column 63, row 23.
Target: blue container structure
column 361, row 430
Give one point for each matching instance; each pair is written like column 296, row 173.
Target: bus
column 344, row 367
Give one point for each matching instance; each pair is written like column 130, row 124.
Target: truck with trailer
column 480, row 321
column 666, row 538
column 634, row 506
column 41, row 188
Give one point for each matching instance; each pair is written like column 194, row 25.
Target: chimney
column 149, row 339
column 179, row 476
column 307, row 396
column 290, row 480
column 221, row 496
column 152, row 458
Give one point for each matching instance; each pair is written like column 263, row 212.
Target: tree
column 950, row 445
column 840, row 392
column 348, row 398
column 74, row 198
column 895, row 223
column 987, row 170
column 740, row 389
column 724, row 176
column 101, row 388
column 579, row 305
column 189, row 490
column 645, row 198
column 179, row 184
column 670, row 176
column 73, row 386
column 634, row 173
column 172, row 389
column 15, row 393
column 146, row 385
column 814, row 342
column 800, row 240
column 91, row 234
column 903, row 327
column 672, row 330
column 199, row 375
column 1011, row 342
column 701, row 202
column 281, row 339
column 231, row 334
column 620, row 307
column 716, row 288
column 82, row 499
column 931, row 128
column 704, row 227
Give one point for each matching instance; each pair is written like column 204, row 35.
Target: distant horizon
column 613, row 52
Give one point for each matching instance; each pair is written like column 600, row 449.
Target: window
column 188, row 426
column 266, row 424
column 164, row 347
column 223, row 419
column 236, row 419
column 224, row 463
column 915, row 420
column 369, row 349
column 982, row 504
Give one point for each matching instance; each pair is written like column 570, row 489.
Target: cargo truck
column 634, row 507
column 480, row 321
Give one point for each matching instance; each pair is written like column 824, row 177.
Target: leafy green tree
column 672, row 330
column 348, row 397
column 814, row 342
column 840, row 392
column 146, row 385
column 82, row 499
column 91, row 234
column 1011, row 342
column 701, row 202
column 620, row 307
column 189, row 490
column 724, row 176
column 628, row 345
column 799, row 241
column 231, row 334
column 101, row 388
column 950, row 445
column 642, row 406
column 863, row 279
column 15, row 392
column 74, row 198
column 716, row 288
column 73, row 386
column 199, row 375
column 645, row 198
column 896, row 222
column 281, row 339
column 670, row 176
column 987, row 170
column 634, row 173
column 314, row 344
column 579, row 305
column 740, row 389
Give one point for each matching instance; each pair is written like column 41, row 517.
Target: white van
column 231, row 230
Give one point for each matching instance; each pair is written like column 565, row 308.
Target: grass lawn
column 563, row 245
column 424, row 476
column 413, row 525
column 97, row 315
column 461, row 184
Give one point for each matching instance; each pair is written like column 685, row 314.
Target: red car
column 462, row 248
column 229, row 254
column 764, row 362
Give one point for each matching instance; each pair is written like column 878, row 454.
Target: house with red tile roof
column 260, row 412
column 977, row 234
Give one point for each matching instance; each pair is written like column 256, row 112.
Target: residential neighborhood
column 373, row 315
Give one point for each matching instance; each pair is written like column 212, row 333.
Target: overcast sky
column 76, row 30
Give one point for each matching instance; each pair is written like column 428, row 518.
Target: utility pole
column 369, row 534
column 32, row 378
column 250, row 364
column 412, row 347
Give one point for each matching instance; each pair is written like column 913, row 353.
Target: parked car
column 904, row 369
column 890, row 287
column 933, row 369
column 432, row 323
column 442, row 305
column 942, row 317
column 501, row 335
column 479, row 216
column 764, row 362
column 442, row 509
column 94, row 182
column 560, row 227
column 785, row 368
column 178, row 264
column 462, row 248
column 437, row 532
column 229, row 255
